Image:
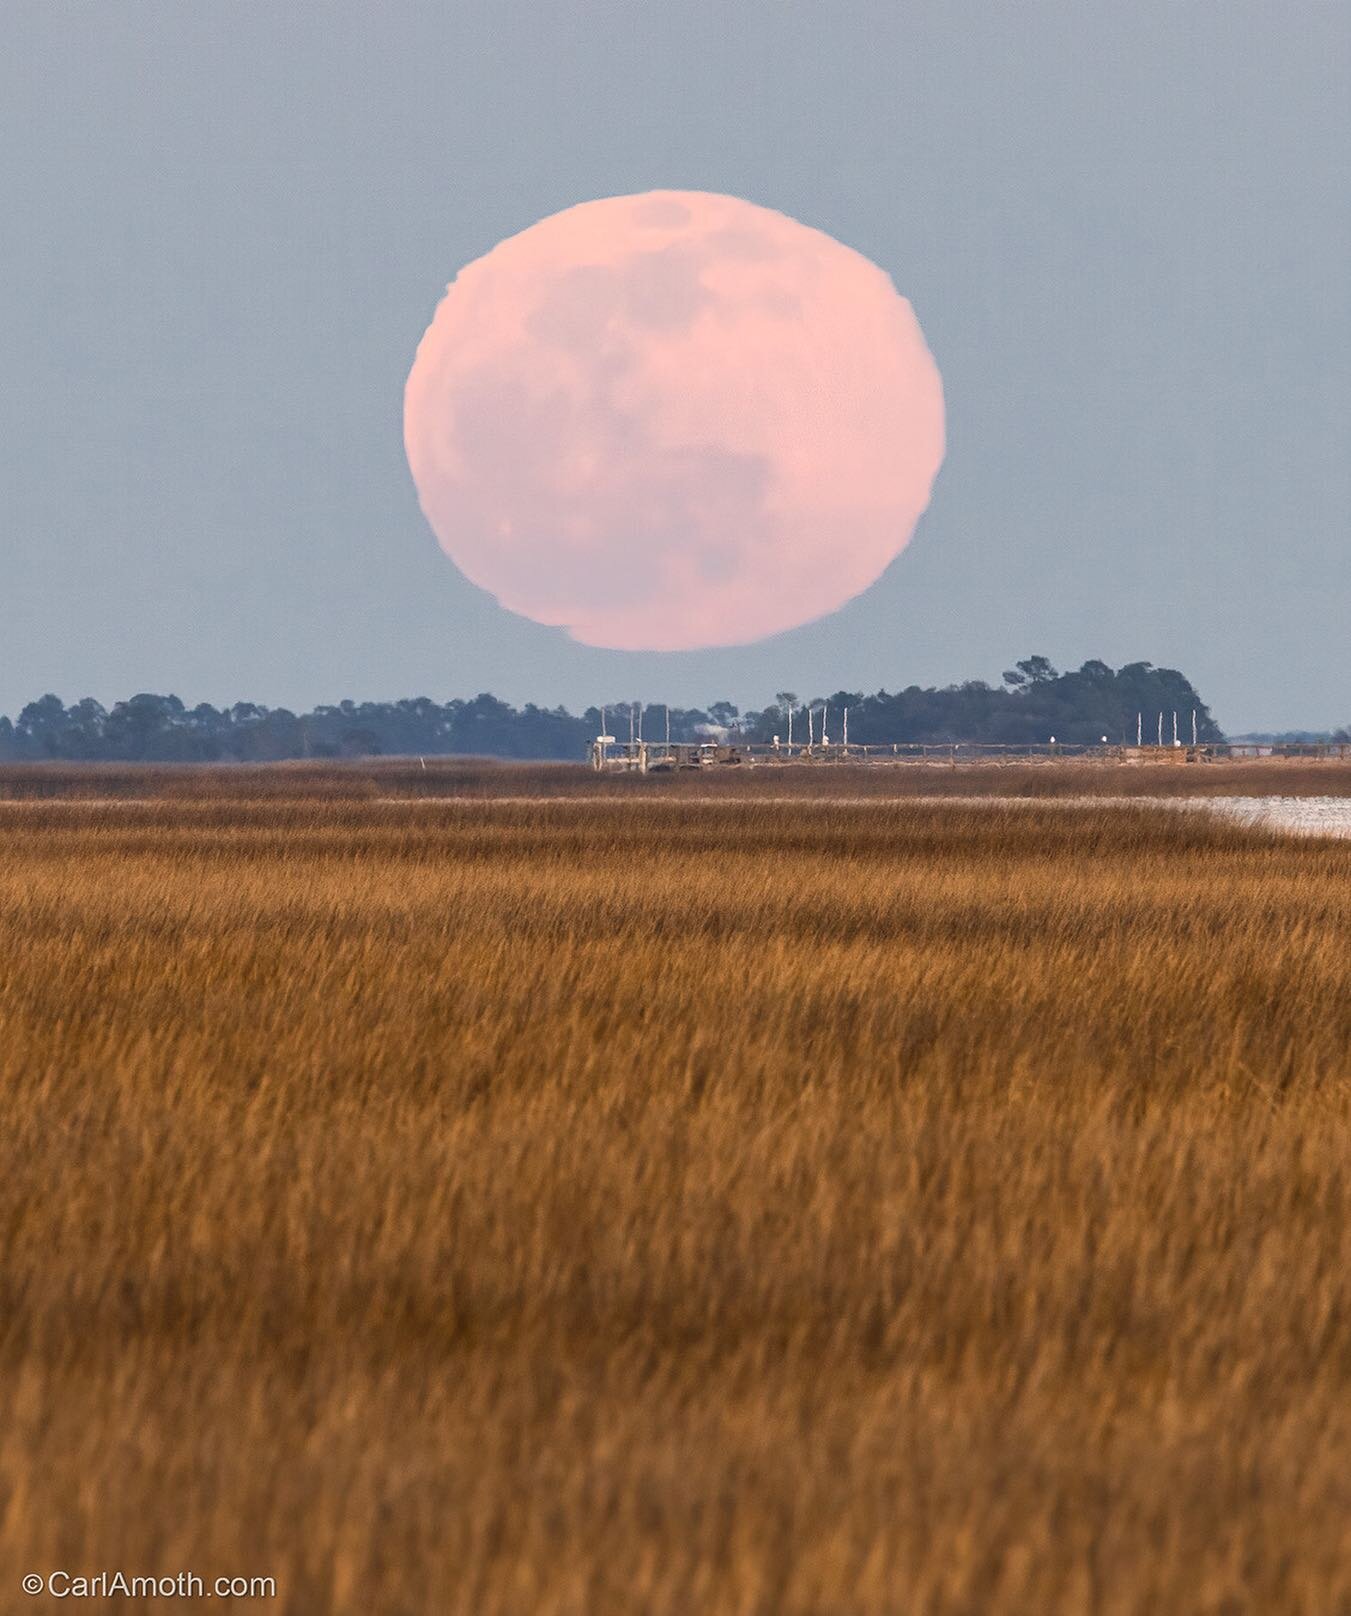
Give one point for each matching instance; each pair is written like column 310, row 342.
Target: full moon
column 673, row 420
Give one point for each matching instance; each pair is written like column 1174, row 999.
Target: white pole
column 1139, row 728
column 825, row 739
column 809, row 726
column 1160, row 729
column 790, row 723
column 1175, row 726
column 1193, row 726
column 846, row 726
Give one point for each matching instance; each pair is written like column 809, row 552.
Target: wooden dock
column 654, row 757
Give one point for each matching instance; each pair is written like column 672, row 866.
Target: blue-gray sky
column 227, row 223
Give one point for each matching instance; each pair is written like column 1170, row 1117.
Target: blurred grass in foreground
column 599, row 1207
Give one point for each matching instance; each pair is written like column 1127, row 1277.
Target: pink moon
column 672, row 421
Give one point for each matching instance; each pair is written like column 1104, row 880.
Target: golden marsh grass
column 597, row 1207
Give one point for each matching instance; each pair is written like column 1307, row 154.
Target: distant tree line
column 161, row 729
column 1034, row 703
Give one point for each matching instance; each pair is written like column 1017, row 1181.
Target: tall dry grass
column 602, row 1207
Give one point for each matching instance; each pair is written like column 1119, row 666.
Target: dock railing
column 649, row 757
